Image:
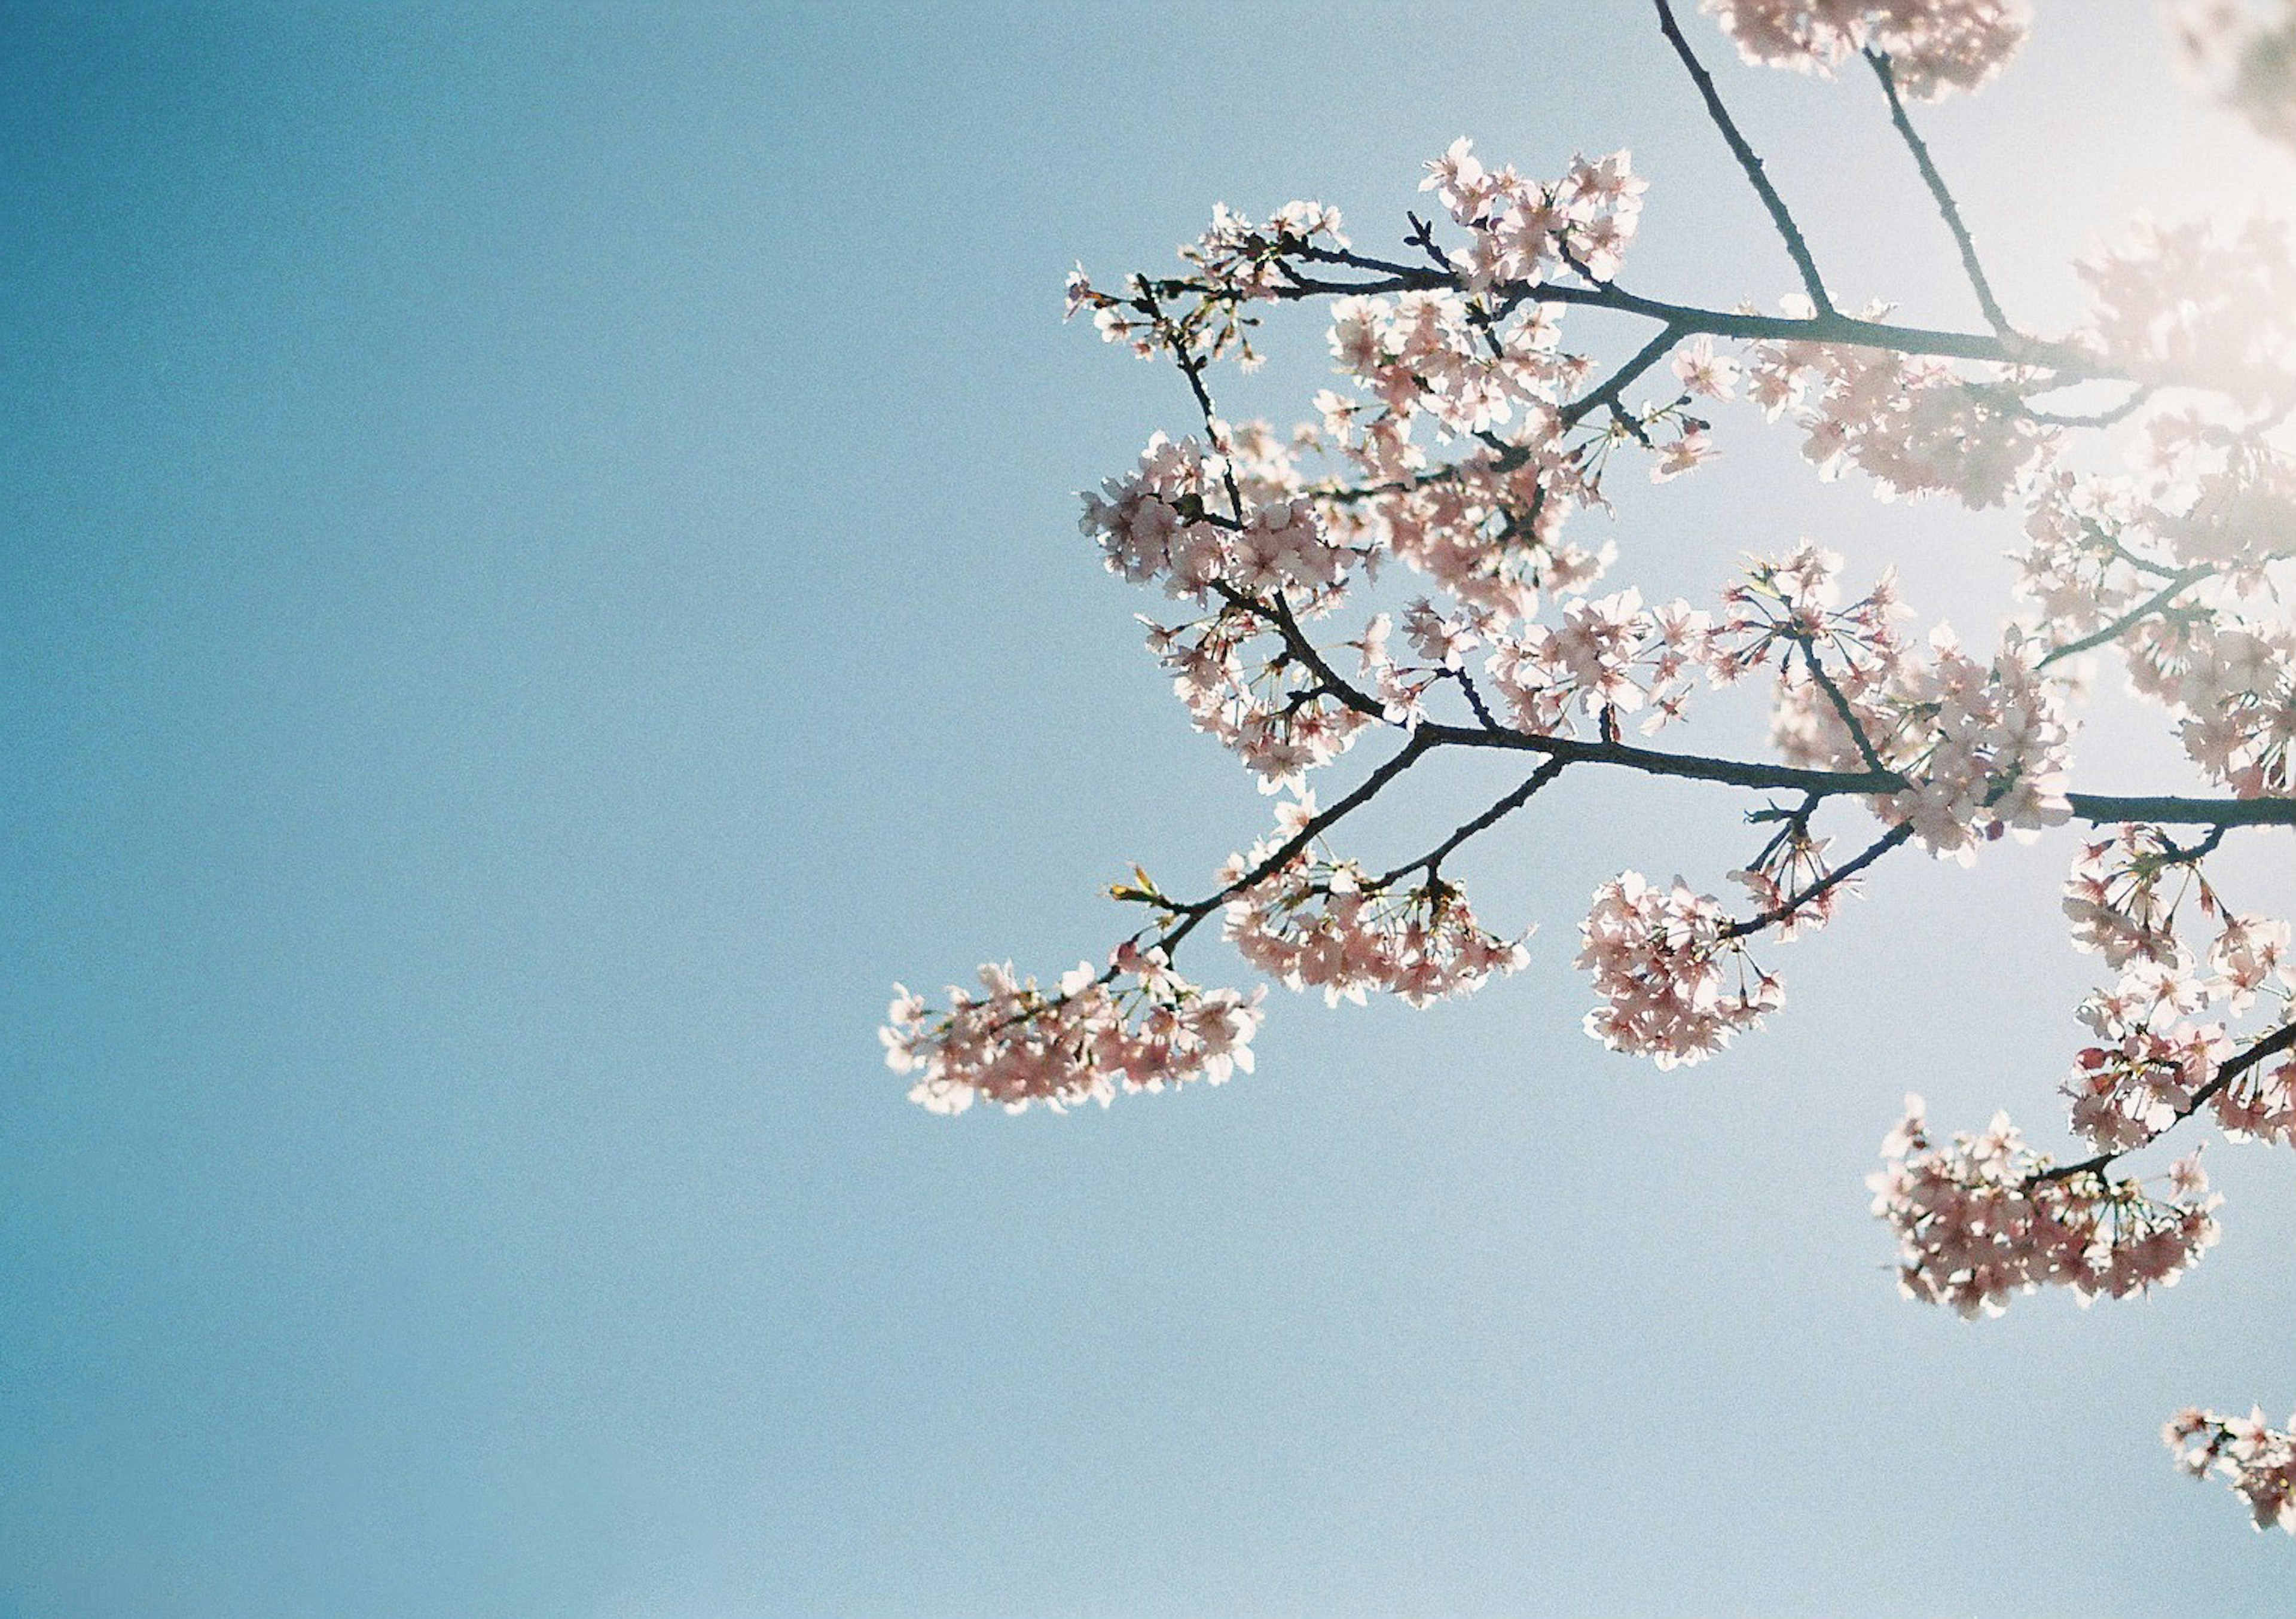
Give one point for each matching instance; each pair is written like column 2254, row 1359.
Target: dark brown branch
column 1994, row 317
column 1797, row 249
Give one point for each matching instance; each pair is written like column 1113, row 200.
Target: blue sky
column 540, row 575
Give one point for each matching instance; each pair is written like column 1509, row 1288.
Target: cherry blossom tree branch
column 1759, row 775
column 1192, row 366
column 1608, row 393
column 1833, row 694
column 1897, row 837
column 1797, row 248
column 1431, row 863
column 1193, row 911
column 2177, row 585
column 1826, row 326
column 1879, row 61
column 2281, row 1039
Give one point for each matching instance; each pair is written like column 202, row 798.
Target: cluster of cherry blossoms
column 1675, row 983
column 1983, row 1217
column 1317, row 923
column 1159, row 523
column 1140, row 1025
column 1989, row 754
column 1912, row 423
column 1613, row 658
column 1982, row 747
column 2256, row 1460
column 1935, row 46
column 2156, row 1060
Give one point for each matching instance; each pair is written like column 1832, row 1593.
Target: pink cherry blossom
column 2256, row 1460
column 1936, row 44
column 1981, row 1219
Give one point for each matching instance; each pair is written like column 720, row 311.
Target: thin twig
column 1797, row 248
column 1840, row 702
column 1431, row 863
column 2134, row 617
column 1893, row 838
column 1879, row 61
column 1624, row 378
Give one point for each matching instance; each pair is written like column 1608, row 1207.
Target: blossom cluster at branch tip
column 1140, row 1026
column 1318, row 923
column 1523, row 229
column 1675, row 986
column 2255, row 1458
column 1935, row 46
column 1979, row 1219
column 2155, row 1059
column 1235, row 263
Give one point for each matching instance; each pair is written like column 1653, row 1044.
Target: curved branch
column 2176, row 584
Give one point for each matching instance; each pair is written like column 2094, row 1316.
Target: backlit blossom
column 2255, row 1458
column 1935, row 45
column 1140, row 1027
column 1675, row 987
column 1982, row 1218
column 1913, row 423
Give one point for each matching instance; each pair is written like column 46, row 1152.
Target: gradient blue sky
column 537, row 575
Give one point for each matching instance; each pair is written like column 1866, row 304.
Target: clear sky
column 538, row 575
